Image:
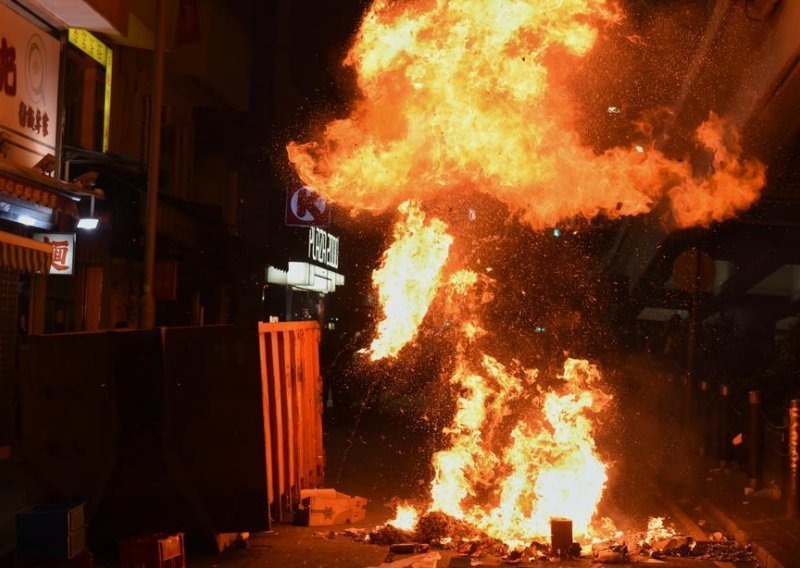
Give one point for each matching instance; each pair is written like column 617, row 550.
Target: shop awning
column 25, row 255
column 32, row 186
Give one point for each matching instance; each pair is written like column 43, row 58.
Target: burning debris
column 437, row 531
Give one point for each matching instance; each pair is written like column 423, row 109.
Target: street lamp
column 89, row 223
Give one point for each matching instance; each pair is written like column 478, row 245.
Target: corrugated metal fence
column 291, row 378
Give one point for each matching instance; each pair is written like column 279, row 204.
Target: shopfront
column 311, row 274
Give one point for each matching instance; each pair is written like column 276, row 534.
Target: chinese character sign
column 29, row 67
column 63, row 250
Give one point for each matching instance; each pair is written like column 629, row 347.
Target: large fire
column 471, row 95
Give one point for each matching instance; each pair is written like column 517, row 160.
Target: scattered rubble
column 439, row 531
column 409, row 548
column 428, row 560
column 387, row 535
column 611, row 554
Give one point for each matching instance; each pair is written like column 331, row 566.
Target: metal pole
column 690, row 347
column 702, row 413
column 148, row 318
column 755, row 440
column 62, row 113
column 723, row 434
column 793, row 485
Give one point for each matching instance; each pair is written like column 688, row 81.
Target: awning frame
column 23, row 254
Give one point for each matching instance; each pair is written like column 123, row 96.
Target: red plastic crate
column 153, row 551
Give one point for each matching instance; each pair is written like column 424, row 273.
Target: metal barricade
column 290, row 376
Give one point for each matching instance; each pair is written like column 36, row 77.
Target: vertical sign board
column 63, row 250
column 100, row 52
column 29, row 65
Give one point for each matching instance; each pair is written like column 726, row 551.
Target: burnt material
column 561, row 536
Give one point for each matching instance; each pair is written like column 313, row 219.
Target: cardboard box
column 324, row 507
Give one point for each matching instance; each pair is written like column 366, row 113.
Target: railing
column 742, row 432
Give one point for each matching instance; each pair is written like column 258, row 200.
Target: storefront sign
column 305, row 276
column 88, row 43
column 29, row 61
column 63, row 250
column 306, row 208
column 28, row 192
column 323, row 247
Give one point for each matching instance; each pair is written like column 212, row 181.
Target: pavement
column 384, row 459
column 12, row 499
column 758, row 519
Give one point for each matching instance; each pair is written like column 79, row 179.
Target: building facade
column 75, row 112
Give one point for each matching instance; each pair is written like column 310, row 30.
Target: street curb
column 765, row 557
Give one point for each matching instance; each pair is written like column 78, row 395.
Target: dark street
column 399, row 283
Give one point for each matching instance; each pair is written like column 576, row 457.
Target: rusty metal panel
column 158, row 430
column 213, row 435
column 275, row 394
column 265, row 401
column 291, row 368
column 89, row 410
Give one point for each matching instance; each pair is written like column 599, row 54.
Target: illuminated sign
column 100, row 52
column 304, row 276
column 29, row 66
column 305, row 208
column 323, row 247
column 63, row 250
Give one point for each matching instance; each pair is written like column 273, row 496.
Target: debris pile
column 439, row 530
column 436, row 530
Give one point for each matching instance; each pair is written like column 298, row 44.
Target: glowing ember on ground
column 657, row 531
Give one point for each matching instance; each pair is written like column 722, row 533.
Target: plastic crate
column 50, row 519
column 153, row 551
column 51, row 531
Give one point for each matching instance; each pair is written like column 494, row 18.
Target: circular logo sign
column 36, row 69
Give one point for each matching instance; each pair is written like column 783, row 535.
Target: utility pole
column 147, row 318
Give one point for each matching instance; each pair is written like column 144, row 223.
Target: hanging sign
column 63, row 250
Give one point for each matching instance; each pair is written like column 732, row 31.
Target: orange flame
column 408, row 278
column 405, row 517
column 457, row 94
column 656, row 530
column 548, row 468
